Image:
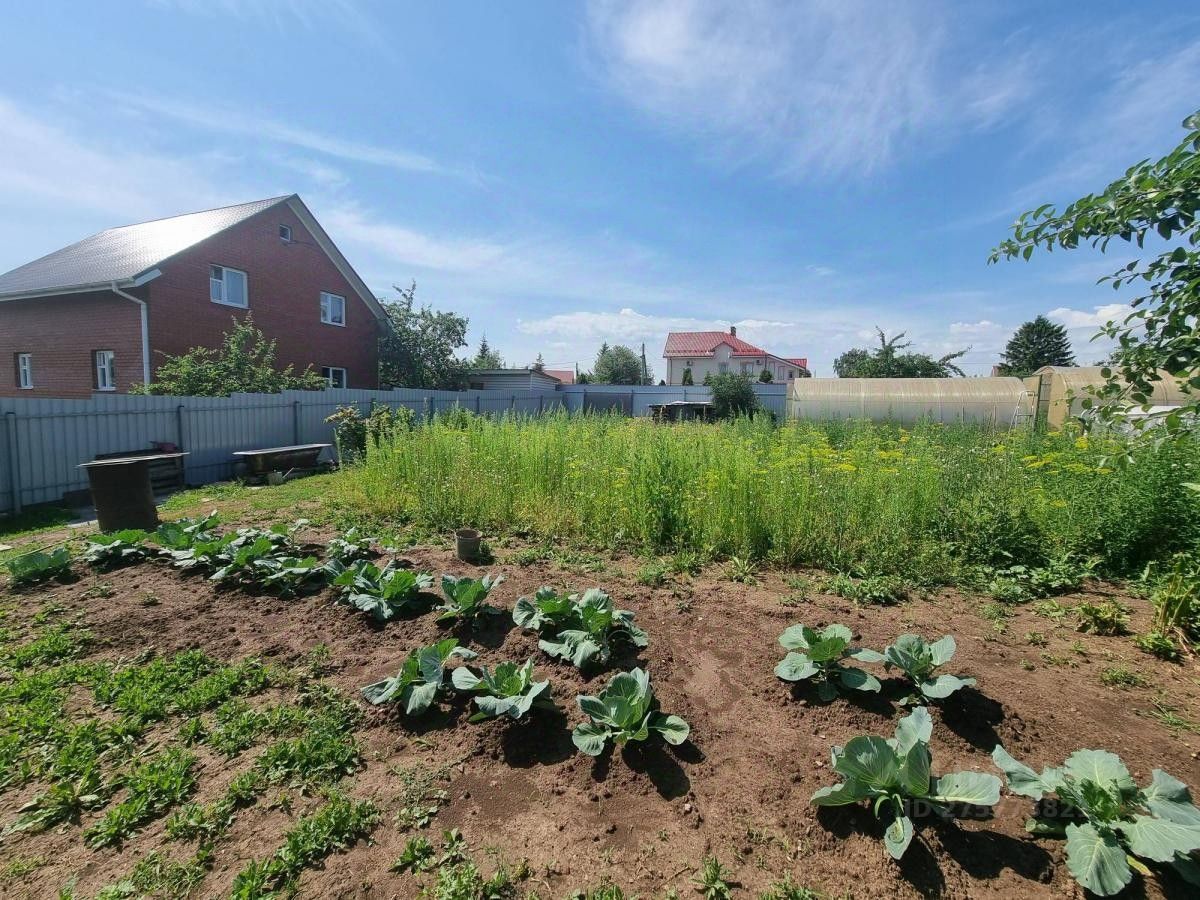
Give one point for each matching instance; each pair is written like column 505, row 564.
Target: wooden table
column 122, row 493
column 287, row 460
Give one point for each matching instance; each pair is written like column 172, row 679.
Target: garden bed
column 644, row 818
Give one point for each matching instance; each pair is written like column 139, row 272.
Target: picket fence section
column 43, row 441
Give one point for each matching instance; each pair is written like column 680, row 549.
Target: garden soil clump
column 645, row 817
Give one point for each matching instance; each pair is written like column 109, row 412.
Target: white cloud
column 257, row 127
column 407, row 247
column 984, row 327
column 1094, row 318
column 810, row 87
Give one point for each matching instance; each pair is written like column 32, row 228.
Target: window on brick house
column 228, row 286
column 25, row 370
column 335, row 376
column 285, row 233
column 106, row 370
column 333, row 309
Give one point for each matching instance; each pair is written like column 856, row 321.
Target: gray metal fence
column 43, row 441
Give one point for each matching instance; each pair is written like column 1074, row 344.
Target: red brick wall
column 284, row 286
column 61, row 332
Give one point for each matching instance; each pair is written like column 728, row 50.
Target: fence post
column 179, row 436
column 14, row 463
column 295, row 421
column 428, row 406
column 477, row 398
column 512, row 404
column 631, row 396
column 541, row 403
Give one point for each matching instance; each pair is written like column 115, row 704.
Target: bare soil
column 645, row 817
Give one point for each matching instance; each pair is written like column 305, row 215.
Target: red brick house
column 99, row 314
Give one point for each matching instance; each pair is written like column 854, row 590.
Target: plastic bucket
column 466, row 544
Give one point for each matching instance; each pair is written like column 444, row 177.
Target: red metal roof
column 566, row 376
column 705, row 343
column 801, row 361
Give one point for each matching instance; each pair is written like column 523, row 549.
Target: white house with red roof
column 714, row 352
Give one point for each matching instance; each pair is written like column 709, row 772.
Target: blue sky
column 567, row 173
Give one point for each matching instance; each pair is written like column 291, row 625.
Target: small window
column 106, row 370
column 335, row 376
column 25, row 371
column 285, row 233
column 333, row 309
column 227, row 286
column 723, row 367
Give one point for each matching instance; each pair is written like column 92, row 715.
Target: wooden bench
column 298, row 459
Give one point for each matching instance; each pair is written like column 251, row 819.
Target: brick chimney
column 733, row 331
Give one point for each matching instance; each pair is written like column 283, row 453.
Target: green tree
column 1037, row 343
column 539, row 364
column 417, row 351
column 1151, row 199
column 687, row 377
column 765, row 376
column 617, row 365
column 245, row 362
column 886, row 361
column 733, row 395
column 486, row 357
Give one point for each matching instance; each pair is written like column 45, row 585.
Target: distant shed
column 1000, row 401
column 1059, row 390
column 529, row 379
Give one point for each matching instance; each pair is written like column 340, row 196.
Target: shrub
column 626, row 710
column 895, row 776
column 1109, row 822
column 732, row 396
column 1107, row 617
column 819, row 656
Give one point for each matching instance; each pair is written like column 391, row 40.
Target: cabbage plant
column 466, row 598
column 1111, row 825
column 382, row 593
column 894, row 774
column 289, row 575
column 117, row 548
column 30, row 568
column 419, row 680
column 819, row 655
column 918, row 660
column 183, row 533
column 509, row 691
column 626, row 710
column 581, row 629
column 350, row 546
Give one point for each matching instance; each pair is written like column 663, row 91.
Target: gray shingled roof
column 122, row 254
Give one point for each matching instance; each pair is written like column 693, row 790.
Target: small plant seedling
column 466, row 598
column 894, row 774
column 741, row 569
column 626, row 710
column 919, row 661
column 350, row 546
column 581, row 629
column 38, row 566
column 714, row 881
column 1111, row 825
column 418, row 856
column 419, row 680
column 819, row 656
column 508, row 692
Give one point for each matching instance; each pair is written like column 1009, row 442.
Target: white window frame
column 327, row 374
column 285, row 233
column 25, row 371
column 105, row 364
column 219, row 286
column 327, row 299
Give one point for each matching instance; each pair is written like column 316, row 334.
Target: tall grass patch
column 847, row 495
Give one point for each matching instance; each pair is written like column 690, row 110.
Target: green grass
column 854, row 497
